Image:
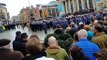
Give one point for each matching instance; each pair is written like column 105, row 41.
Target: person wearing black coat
column 17, row 39
column 20, row 44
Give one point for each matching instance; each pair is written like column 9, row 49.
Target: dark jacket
column 34, row 56
column 20, row 46
column 7, row 54
column 16, row 44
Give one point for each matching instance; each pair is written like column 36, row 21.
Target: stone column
column 66, row 7
column 63, row 7
column 88, row 4
column 83, row 4
column 74, row 5
column 69, row 6
column 77, row 2
column 94, row 4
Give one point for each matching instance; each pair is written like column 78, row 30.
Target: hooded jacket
column 57, row 53
column 100, row 39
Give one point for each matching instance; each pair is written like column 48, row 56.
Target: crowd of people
column 66, row 20
column 80, row 37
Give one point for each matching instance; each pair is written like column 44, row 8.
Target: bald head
column 82, row 34
column 52, row 41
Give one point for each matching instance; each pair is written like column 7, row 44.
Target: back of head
column 82, row 34
column 24, row 35
column 101, row 55
column 76, row 53
column 52, row 41
column 59, row 31
column 4, row 42
column 34, row 45
column 34, row 36
column 87, row 27
column 98, row 27
column 18, row 33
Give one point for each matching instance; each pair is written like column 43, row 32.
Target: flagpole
column 29, row 3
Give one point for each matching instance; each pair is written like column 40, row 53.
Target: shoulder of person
column 17, row 53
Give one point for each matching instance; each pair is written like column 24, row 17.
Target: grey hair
column 82, row 33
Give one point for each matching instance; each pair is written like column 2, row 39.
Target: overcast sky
column 14, row 6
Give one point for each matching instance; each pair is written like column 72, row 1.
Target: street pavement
column 11, row 33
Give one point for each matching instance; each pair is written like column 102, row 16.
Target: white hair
column 81, row 23
column 82, row 34
column 44, row 58
column 52, row 40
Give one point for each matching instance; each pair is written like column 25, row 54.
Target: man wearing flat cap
column 6, row 53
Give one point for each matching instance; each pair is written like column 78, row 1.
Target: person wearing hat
column 6, row 53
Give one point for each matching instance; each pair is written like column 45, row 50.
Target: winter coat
column 57, row 53
column 20, row 46
column 7, row 54
column 100, row 39
column 88, row 48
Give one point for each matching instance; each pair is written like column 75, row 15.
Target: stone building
column 101, row 4
column 48, row 10
column 29, row 13
column 70, row 6
column 4, row 14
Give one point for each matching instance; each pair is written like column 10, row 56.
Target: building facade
column 25, row 15
column 48, row 10
column 4, row 14
column 101, row 4
column 29, row 13
column 70, row 6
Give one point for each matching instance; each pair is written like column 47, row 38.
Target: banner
column 98, row 1
column 60, row 7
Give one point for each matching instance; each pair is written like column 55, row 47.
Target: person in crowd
column 6, row 53
column 1, row 26
column 100, row 37
column 34, row 48
column 44, row 58
column 75, row 38
column 55, row 51
column 21, row 44
column 87, row 47
column 81, row 26
column 73, row 29
column 76, row 53
column 58, row 27
column 68, row 29
column 105, row 27
column 101, row 55
column 17, row 39
column 89, row 32
column 44, row 27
